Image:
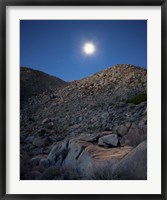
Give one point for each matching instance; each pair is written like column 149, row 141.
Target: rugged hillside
column 97, row 120
column 33, row 82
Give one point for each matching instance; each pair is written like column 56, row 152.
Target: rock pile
column 86, row 125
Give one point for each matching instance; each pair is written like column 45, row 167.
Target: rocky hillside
column 33, row 82
column 98, row 121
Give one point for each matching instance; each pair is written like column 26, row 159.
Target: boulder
column 58, row 153
column 40, row 142
column 93, row 137
column 134, row 165
column 35, row 160
column 44, row 163
column 83, row 156
column 123, row 129
column 135, row 136
column 94, row 155
column 36, row 151
column 75, row 149
column 108, row 140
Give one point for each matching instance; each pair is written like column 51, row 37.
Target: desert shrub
column 59, row 173
column 137, row 99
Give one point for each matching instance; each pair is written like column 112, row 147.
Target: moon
column 89, row 48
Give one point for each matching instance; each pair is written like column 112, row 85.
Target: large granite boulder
column 82, row 155
column 134, row 165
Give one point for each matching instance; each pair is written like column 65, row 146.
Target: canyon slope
column 94, row 128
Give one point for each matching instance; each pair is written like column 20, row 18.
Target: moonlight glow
column 89, row 48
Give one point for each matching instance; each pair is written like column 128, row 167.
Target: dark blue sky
column 55, row 46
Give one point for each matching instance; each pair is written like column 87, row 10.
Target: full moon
column 89, row 48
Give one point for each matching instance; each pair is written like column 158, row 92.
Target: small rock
column 29, row 139
column 50, row 125
column 80, row 118
column 105, row 115
column 46, row 120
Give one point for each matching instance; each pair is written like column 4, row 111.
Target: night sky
column 56, row 46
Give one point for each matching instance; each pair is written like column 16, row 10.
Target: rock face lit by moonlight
column 89, row 48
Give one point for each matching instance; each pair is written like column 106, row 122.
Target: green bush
column 137, row 99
